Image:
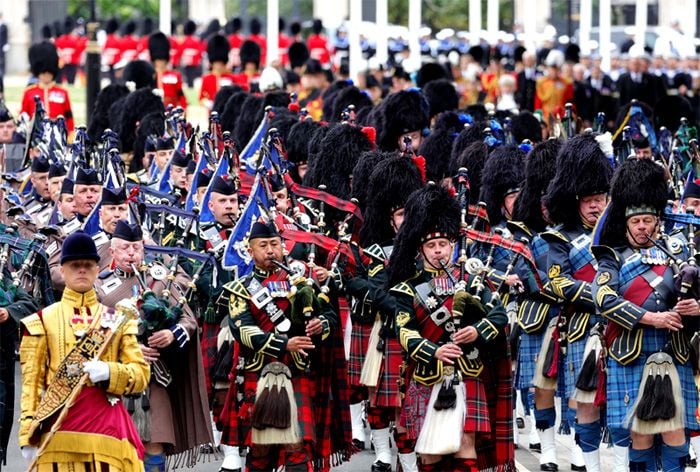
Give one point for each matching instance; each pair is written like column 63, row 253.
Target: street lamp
column 92, row 62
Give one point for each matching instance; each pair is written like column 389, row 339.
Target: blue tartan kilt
column 623, row 387
column 573, row 363
column 529, row 349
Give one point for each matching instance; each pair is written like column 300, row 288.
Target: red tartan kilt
column 415, row 407
column 236, row 423
column 208, row 344
column 388, row 386
column 359, row 343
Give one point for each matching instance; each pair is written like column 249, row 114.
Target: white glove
column 97, row 370
column 29, row 453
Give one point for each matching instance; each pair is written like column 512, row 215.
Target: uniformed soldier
column 218, row 48
column 178, row 418
column 178, row 175
column 168, row 80
column 38, row 204
column 647, row 310
column 575, row 199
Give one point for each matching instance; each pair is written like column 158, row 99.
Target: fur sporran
column 375, row 356
column 545, row 357
column 275, row 419
column 443, row 427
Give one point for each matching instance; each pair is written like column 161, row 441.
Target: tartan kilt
column 236, row 423
column 209, row 350
column 623, row 384
column 388, row 386
column 416, row 407
column 528, row 350
column 359, row 343
column 573, row 363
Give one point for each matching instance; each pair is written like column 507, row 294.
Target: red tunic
column 284, row 43
column 235, row 40
column 142, row 49
column 55, row 99
column 129, row 47
column 318, row 48
column 111, row 51
column 170, row 82
column 70, row 48
column 190, row 53
column 211, row 83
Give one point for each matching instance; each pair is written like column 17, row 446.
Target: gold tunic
column 48, row 337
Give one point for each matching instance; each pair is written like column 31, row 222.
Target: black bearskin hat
column 282, row 121
column 360, row 175
column 112, row 26
column 255, row 26
column 231, row 110
column 428, row 72
column 276, row 99
column 222, row 97
column 315, row 146
column 669, row 110
column 340, row 151
column 386, row 190
column 473, row 158
column 130, row 27
column 159, row 46
column 428, row 211
column 218, row 48
column 638, row 186
column 152, row 124
column 68, row 24
column 436, row 149
column 582, row 170
column 317, row 26
column 441, row 96
column 295, row 28
column 298, row 54
column 328, row 97
column 467, row 135
column 540, row 166
column 349, row 96
column 250, row 52
column 503, row 174
column 235, row 24
column 526, row 126
column 402, row 112
column 147, row 26
column 99, row 120
column 136, row 105
column 141, row 73
column 190, row 28
column 248, row 119
column 45, row 32
column 297, row 143
column 43, row 57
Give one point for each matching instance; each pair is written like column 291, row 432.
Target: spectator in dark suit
column 639, row 84
column 603, row 87
column 526, row 82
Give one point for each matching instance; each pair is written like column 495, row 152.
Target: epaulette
column 105, row 274
column 600, row 251
column 404, row 289
column 554, row 236
column 238, row 288
column 131, row 327
column 519, row 225
column 376, row 252
column 33, row 324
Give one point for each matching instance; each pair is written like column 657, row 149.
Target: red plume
column 371, row 134
column 293, row 107
column 419, row 161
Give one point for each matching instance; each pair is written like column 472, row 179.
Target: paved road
column 526, row 460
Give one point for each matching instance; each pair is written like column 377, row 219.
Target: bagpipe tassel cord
column 544, row 359
column 659, row 406
column 375, row 357
column 442, row 430
column 587, row 380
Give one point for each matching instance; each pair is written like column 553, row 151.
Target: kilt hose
column 359, row 342
column 416, row 407
column 236, row 422
column 387, row 394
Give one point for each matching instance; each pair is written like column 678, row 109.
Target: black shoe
column 549, row 467
column 360, row 445
column 692, row 463
column 536, row 447
column 520, row 422
column 380, row 466
column 578, row 468
column 206, row 449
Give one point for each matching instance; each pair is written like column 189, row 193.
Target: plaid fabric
column 237, row 422
column 623, row 383
column 209, row 349
column 359, row 341
column 574, row 357
column 580, row 254
column 633, row 266
column 416, row 407
column 494, row 450
column 529, row 349
column 388, row 385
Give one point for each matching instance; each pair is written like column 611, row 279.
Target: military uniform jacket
column 39, row 209
column 260, row 319
column 424, row 321
column 379, row 298
column 628, row 284
column 571, row 268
